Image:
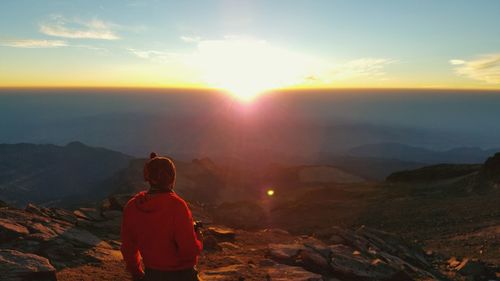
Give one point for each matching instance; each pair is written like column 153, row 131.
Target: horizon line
column 209, row 89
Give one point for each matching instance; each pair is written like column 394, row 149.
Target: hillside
column 55, row 175
column 403, row 152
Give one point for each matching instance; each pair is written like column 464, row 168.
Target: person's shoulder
column 131, row 201
column 178, row 201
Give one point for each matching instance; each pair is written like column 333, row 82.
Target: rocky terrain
column 438, row 222
column 54, row 244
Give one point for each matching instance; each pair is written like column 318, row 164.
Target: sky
column 251, row 46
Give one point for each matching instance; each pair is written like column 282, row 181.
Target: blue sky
column 230, row 44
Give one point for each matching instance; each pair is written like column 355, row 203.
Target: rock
column 103, row 254
column 112, row 225
column 229, row 246
column 267, row 262
column 344, row 262
column 226, row 273
column 11, row 230
column 35, row 210
column 336, row 235
column 284, row 253
column 83, row 237
column 336, row 239
column 55, row 213
column 221, row 233
column 277, row 231
column 491, row 168
column 89, row 214
column 59, row 251
column 112, row 214
column 18, row 266
column 118, row 202
column 286, row 273
column 453, row 262
column 313, row 261
column 210, row 243
column 3, row 204
column 472, row 268
column 390, row 243
column 25, row 245
column 41, row 232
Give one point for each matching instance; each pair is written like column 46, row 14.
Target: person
column 158, row 226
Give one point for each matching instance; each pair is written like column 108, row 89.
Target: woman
column 158, row 226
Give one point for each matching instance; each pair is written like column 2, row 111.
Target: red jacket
column 158, row 227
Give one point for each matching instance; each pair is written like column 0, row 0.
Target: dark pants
column 180, row 275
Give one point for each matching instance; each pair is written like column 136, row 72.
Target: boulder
column 221, row 233
column 117, row 202
column 83, row 237
column 90, row 214
column 55, row 213
column 348, row 262
column 11, row 230
column 285, row 253
column 19, row 266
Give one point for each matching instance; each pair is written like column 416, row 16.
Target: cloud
column 245, row 64
column 154, row 55
column 456, row 62
column 485, row 68
column 372, row 68
column 34, row 43
column 60, row 26
column 190, row 39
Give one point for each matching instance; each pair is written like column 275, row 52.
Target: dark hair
column 160, row 171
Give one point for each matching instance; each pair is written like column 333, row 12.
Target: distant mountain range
column 403, row 152
column 76, row 173
column 49, row 174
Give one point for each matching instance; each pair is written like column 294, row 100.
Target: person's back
column 158, row 226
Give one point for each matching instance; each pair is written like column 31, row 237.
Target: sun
column 246, row 68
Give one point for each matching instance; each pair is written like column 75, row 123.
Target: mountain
column 370, row 168
column 462, row 155
column 53, row 175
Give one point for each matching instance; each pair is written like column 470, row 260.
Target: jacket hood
column 150, row 202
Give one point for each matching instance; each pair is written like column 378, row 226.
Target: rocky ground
column 54, row 244
column 313, row 228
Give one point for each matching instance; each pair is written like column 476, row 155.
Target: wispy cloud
column 239, row 63
column 154, row 55
column 457, row 62
column 34, row 43
column 191, row 39
column 60, row 26
column 363, row 67
column 485, row 68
